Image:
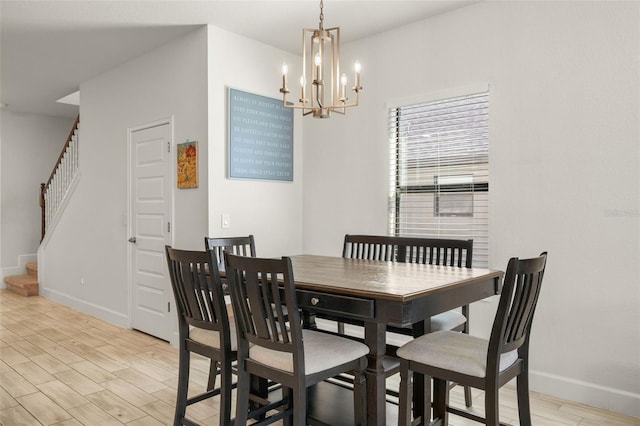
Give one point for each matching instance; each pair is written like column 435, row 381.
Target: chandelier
column 321, row 78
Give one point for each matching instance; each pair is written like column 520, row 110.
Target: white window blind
column 439, row 171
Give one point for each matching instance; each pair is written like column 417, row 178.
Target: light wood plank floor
column 61, row 367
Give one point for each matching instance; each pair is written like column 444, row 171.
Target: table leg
column 375, row 338
column 309, row 320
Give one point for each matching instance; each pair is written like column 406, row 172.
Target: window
column 439, row 180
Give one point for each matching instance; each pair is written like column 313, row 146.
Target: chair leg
column 423, row 409
column 288, row 421
column 467, row 397
column 213, row 373
column 440, row 400
column 225, row 393
column 183, row 385
column 491, row 411
column 359, row 398
column 300, row 407
column 465, row 330
column 242, row 395
column 406, row 395
column 524, row 409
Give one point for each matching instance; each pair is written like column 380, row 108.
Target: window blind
column 439, row 171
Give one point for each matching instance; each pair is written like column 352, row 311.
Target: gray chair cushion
column 447, row 321
column 212, row 338
column 450, row 350
column 321, row 352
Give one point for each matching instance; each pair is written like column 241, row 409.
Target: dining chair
column 272, row 348
column 483, row 364
column 243, row 246
column 203, row 327
column 432, row 251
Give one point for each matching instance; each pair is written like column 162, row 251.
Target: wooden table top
column 384, row 280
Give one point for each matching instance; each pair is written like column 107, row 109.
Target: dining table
column 377, row 294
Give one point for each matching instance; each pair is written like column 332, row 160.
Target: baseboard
column 100, row 312
column 604, row 397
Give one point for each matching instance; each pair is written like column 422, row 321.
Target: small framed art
column 188, row 165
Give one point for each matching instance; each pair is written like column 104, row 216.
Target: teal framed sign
column 260, row 137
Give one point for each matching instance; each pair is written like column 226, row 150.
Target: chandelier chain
column 321, row 27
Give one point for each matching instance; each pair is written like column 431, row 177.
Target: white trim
column 92, row 309
column 607, row 398
column 436, row 95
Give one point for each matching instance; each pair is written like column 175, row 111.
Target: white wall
column 30, row 147
column 270, row 210
column 564, row 132
column 90, row 241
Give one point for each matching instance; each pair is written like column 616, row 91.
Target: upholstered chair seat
column 450, row 350
column 212, row 337
column 449, row 320
column 321, row 352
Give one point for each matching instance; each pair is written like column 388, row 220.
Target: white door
column 150, row 222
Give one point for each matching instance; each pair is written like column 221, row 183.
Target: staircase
column 53, row 193
column 25, row 285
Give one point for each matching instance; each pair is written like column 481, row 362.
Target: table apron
column 395, row 312
column 405, row 314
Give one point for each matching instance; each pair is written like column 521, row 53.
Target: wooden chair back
column 241, row 246
column 197, row 289
column 518, row 300
column 265, row 305
column 433, row 251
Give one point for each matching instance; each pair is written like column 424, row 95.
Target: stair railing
column 53, row 192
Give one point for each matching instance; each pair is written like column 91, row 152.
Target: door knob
column 132, row 240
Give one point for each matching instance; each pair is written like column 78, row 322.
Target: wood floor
column 61, row 367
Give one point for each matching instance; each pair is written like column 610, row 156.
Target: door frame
column 129, row 219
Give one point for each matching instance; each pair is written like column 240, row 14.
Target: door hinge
column 168, row 226
column 168, row 306
column 169, row 146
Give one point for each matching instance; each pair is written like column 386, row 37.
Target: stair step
column 32, row 269
column 24, row 285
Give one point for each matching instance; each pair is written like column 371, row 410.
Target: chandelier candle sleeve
column 343, row 88
column 321, row 70
column 303, row 99
column 285, row 71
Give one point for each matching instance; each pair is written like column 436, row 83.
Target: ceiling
column 49, row 47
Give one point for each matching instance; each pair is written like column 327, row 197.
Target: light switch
column 226, row 222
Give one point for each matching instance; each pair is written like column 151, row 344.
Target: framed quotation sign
column 260, row 137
